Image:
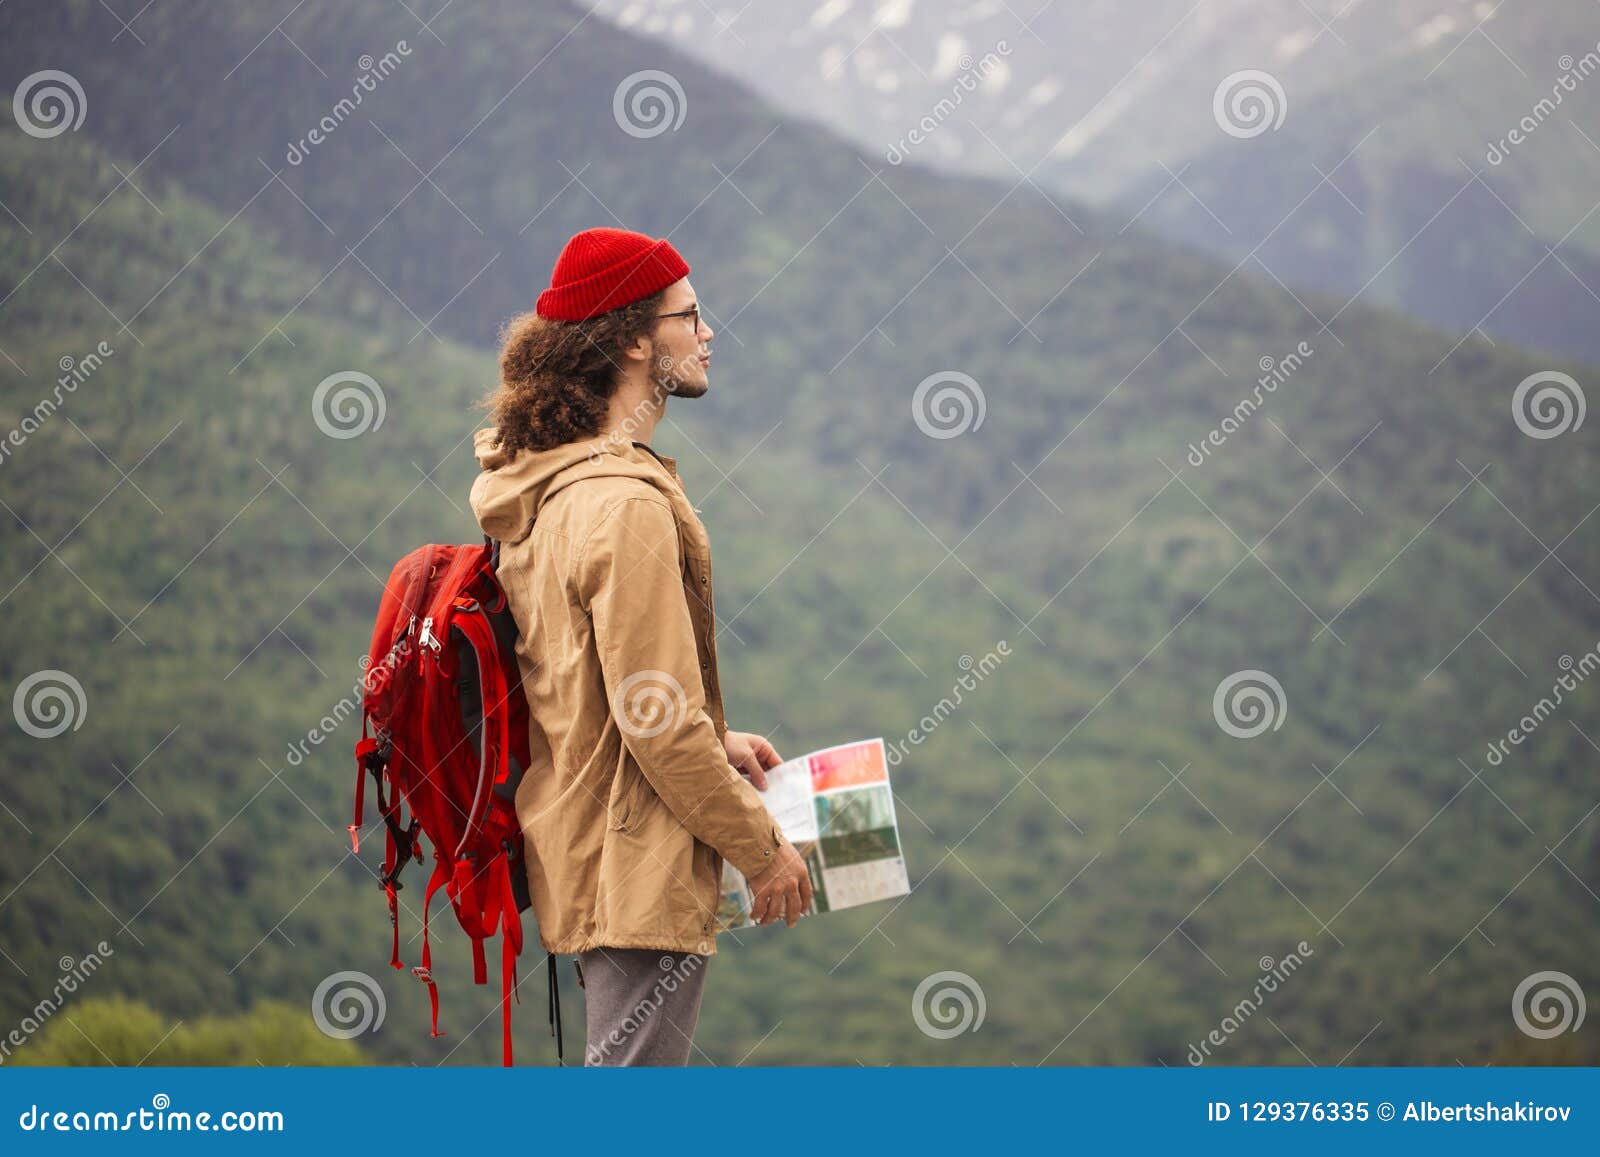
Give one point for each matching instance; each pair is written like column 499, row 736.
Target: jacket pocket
column 626, row 806
column 696, row 567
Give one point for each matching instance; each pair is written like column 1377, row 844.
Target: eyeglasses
column 692, row 312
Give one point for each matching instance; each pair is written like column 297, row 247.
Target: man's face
column 682, row 361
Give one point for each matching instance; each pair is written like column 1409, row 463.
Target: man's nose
column 705, row 333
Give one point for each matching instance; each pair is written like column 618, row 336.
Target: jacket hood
column 511, row 490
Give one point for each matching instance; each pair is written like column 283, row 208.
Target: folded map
column 835, row 806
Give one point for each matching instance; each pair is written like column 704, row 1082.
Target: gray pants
column 641, row 1005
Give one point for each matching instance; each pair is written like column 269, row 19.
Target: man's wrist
column 754, row 861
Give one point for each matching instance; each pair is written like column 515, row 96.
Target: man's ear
column 642, row 349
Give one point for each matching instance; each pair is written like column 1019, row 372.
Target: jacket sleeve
column 628, row 576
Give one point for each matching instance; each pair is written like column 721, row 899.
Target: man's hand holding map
column 835, row 806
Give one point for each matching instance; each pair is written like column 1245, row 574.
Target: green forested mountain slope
column 246, row 561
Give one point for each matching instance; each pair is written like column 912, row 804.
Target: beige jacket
column 630, row 805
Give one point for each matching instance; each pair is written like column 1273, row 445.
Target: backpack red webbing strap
column 499, row 913
column 454, row 874
column 494, row 763
column 470, row 904
column 390, row 872
column 479, row 908
column 368, row 748
column 365, row 748
column 510, row 924
column 425, row 972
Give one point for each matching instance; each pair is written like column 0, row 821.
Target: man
column 636, row 792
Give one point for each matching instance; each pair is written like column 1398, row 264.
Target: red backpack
column 443, row 697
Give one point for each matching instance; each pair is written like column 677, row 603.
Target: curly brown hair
column 557, row 377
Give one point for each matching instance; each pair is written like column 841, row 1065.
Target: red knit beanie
column 605, row 269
